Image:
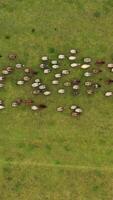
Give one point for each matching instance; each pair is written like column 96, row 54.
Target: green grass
column 49, row 155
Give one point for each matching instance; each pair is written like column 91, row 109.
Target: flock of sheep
column 47, row 66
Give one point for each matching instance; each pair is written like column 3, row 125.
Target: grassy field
column 50, row 155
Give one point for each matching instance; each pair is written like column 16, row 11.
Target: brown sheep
column 42, row 106
column 28, row 102
column 100, row 62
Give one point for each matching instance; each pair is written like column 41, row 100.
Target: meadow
column 49, row 155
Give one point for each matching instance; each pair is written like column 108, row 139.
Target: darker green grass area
column 97, row 14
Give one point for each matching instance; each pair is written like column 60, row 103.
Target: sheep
column 30, row 71
column 5, row 72
column 46, row 71
column 44, row 58
column 37, row 80
column 96, row 85
column 108, row 94
column 75, row 87
column 96, row 71
column 78, row 110
column 74, row 114
column 26, row 78
column 88, row 83
column 100, row 62
column 71, row 58
column 54, row 62
column 55, row 66
column 12, row 56
column 67, row 84
column 110, row 81
column 73, row 51
column 20, row 82
column 61, row 56
column 65, row 72
column 1, row 102
column 87, row 60
column 17, row 102
column 42, row 87
column 55, row 82
column 2, row 78
column 87, row 74
column 19, row 66
column 42, row 106
column 73, row 107
column 14, row 104
column 28, row 102
column 36, row 92
column 34, row 107
column 60, row 109
column 58, row 75
column 76, row 82
column 34, row 85
column 27, row 70
column 61, row 91
column 46, row 93
column 9, row 69
column 73, row 65
column 2, row 107
column 42, row 66
column 1, row 85
column 90, row 91
column 85, row 66
column 110, row 65
column 111, row 69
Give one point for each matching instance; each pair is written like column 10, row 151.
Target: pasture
column 50, row 155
